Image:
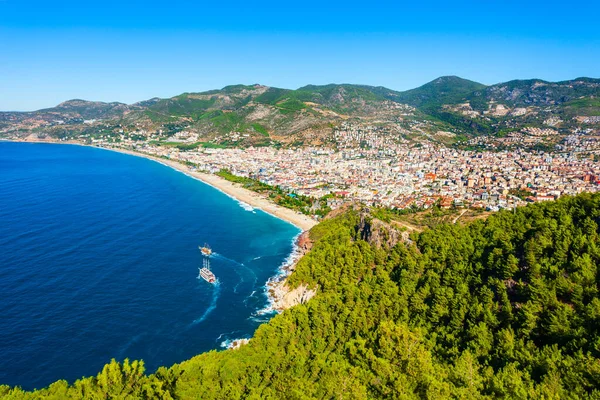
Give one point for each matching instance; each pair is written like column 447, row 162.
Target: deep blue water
column 99, row 259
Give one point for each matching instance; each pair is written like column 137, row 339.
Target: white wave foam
column 259, row 320
column 283, row 272
column 234, row 343
column 269, row 309
column 246, row 206
column 224, row 334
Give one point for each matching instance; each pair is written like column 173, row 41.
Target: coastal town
column 370, row 166
column 316, row 149
column 450, row 144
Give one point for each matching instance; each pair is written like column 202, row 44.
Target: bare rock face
column 260, row 111
column 280, row 294
column 236, row 344
column 376, row 232
column 304, row 243
column 290, row 298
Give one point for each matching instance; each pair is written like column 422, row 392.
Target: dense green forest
column 506, row 307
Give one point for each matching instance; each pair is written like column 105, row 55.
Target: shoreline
column 236, row 192
column 279, row 295
column 231, row 189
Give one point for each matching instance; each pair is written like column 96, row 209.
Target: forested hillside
column 502, row 308
column 257, row 115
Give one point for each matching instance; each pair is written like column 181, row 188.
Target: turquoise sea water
column 99, row 259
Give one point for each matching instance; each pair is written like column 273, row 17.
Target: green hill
column 443, row 90
column 229, row 116
column 264, row 113
column 87, row 109
column 508, row 307
column 536, row 92
column 432, row 97
column 344, row 98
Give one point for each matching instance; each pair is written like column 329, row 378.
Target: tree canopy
column 506, row 307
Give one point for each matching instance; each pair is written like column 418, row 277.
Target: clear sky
column 127, row 51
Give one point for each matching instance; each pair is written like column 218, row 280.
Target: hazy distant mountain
column 87, row 109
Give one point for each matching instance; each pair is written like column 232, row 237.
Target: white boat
column 207, row 275
column 205, row 272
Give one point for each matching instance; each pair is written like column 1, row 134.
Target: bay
column 99, row 259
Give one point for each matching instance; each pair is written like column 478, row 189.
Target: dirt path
column 460, row 215
column 407, row 226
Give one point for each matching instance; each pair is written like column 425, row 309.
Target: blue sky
column 128, row 51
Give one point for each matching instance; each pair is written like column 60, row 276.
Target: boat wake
column 239, row 264
column 235, row 288
column 213, row 304
column 218, row 256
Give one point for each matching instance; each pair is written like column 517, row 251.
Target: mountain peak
column 441, row 90
column 449, row 78
column 76, row 102
column 454, row 80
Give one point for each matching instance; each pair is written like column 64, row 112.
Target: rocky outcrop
column 284, row 297
column 281, row 296
column 369, row 229
column 236, row 344
column 378, row 233
column 304, row 243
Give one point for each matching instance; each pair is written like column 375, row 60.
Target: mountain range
column 446, row 109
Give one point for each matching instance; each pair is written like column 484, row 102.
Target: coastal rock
column 304, row 243
column 280, row 294
column 284, row 297
column 236, row 344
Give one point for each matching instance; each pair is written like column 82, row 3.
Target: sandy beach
column 234, row 190
column 251, row 198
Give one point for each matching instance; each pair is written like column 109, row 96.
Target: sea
column 99, row 259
